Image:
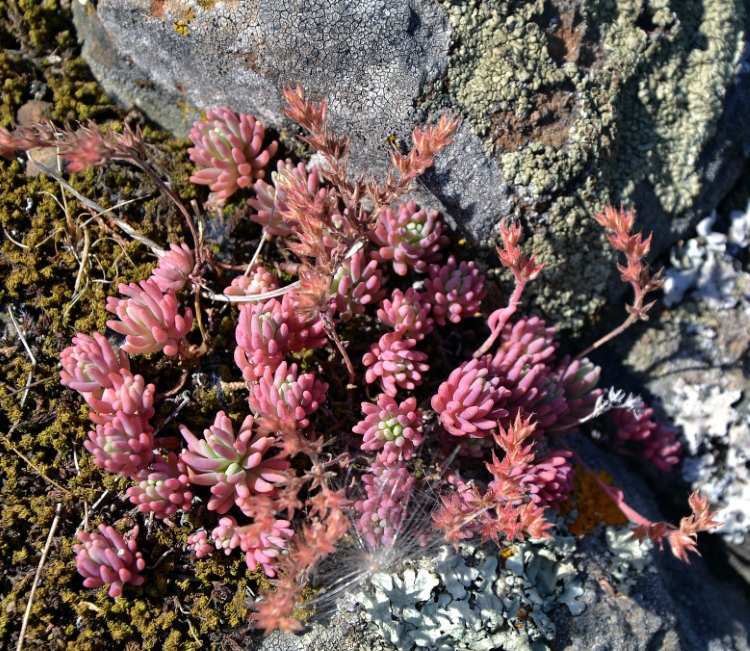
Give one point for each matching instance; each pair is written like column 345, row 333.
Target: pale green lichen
column 582, row 101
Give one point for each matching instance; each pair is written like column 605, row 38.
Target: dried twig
column 42, row 560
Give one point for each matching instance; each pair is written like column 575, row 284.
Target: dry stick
column 7, row 442
column 26, row 388
column 42, row 560
column 30, row 354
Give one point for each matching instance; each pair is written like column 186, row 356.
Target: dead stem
column 29, row 353
column 42, row 560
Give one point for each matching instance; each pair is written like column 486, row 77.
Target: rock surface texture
column 566, row 104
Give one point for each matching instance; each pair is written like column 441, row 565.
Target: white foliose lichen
column 475, row 600
column 630, row 558
column 717, row 431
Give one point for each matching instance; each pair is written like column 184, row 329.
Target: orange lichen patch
column 592, row 503
column 508, row 552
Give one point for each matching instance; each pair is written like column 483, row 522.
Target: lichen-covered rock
column 566, row 104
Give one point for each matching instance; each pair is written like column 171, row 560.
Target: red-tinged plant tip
column 263, row 336
column 90, row 365
column 121, row 444
column 524, row 268
column 386, row 507
column 394, row 361
column 410, row 240
column 233, row 466
column 394, row 428
column 407, row 313
column 105, row 558
column 149, row 319
column 683, row 539
column 271, row 200
column 470, row 401
column 174, row 269
column 258, row 281
column 355, row 285
column 454, row 291
column 162, row 489
column 285, row 395
column 229, row 149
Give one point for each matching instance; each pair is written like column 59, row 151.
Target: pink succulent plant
column 355, row 285
column 229, row 149
column 411, row 239
column 130, row 395
column 470, row 401
column 394, row 360
column 261, row 546
column 394, row 428
column 305, row 333
column 263, row 336
column 149, row 319
column 284, row 394
column 454, row 291
column 105, row 558
column 90, row 365
column 162, row 489
column 270, row 201
column 174, row 268
column 548, row 479
column 258, row 281
column 121, row 444
column 199, row 544
column 657, row 443
column 578, row 379
column 385, row 510
column 233, row 466
column 407, row 313
column 529, row 336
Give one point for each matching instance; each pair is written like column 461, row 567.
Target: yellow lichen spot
column 593, row 505
column 462, row 242
column 206, row 4
column 181, row 27
column 508, row 552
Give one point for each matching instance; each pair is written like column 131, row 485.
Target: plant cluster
column 491, row 436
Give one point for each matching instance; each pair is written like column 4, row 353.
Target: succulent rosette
column 258, row 281
column 122, row 444
column 90, row 365
column 410, row 239
column 454, row 291
column 471, row 401
column 391, row 427
column 355, row 285
column 235, row 467
column 174, row 268
column 407, row 313
column 162, row 489
column 229, row 150
column 286, row 394
column 384, row 511
column 394, row 361
column 149, row 319
column 105, row 558
column 262, row 335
